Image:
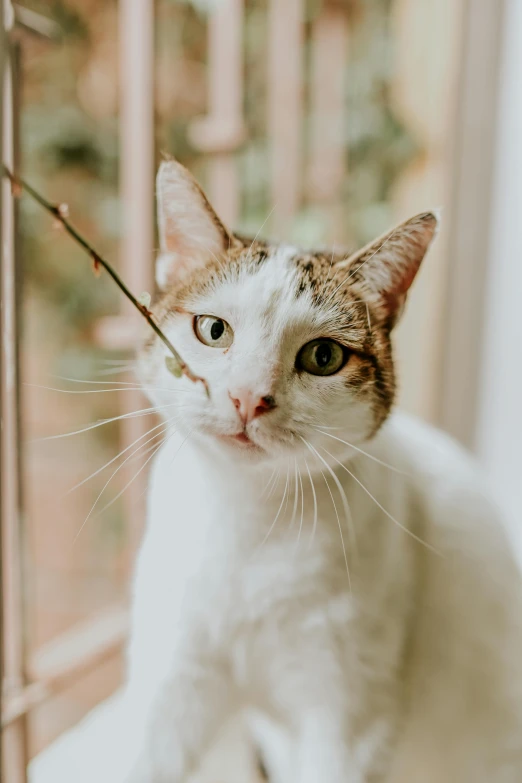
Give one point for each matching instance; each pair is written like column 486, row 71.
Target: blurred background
column 317, row 121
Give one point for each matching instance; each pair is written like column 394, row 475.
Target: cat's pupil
column 217, row 329
column 323, row 355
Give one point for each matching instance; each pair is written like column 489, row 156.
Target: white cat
column 333, row 570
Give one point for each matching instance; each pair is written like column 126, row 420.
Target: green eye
column 321, row 357
column 213, row 331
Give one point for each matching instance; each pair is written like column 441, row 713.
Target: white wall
column 499, row 435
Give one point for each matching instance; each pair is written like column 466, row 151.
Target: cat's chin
column 244, row 449
column 240, row 442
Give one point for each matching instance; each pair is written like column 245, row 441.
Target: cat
column 329, row 567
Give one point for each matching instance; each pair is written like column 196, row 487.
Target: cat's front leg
column 323, row 707
column 181, row 721
column 323, row 753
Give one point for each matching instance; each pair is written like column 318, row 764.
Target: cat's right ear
column 190, row 232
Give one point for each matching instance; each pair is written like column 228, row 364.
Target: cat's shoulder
column 438, row 468
column 458, row 499
column 423, row 448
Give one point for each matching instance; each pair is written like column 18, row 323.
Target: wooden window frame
column 31, row 681
column 470, row 213
column 84, row 647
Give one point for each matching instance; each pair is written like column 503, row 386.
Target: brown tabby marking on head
column 357, row 325
column 362, row 295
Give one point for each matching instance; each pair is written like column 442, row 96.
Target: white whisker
column 121, row 453
column 269, row 481
column 263, row 224
column 114, row 362
column 115, row 370
column 278, row 512
column 354, row 271
column 134, row 384
column 185, row 439
column 361, row 451
column 132, row 414
column 314, row 528
column 302, row 511
column 155, row 448
column 379, row 505
column 273, row 485
column 95, row 383
column 105, row 391
column 163, row 443
column 296, row 495
column 165, row 424
column 327, row 277
column 333, row 503
column 344, row 499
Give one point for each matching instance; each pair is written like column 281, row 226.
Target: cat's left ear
column 387, row 267
column 190, row 232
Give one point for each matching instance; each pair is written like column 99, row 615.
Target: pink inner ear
column 401, row 283
column 174, row 238
column 401, row 278
column 392, row 263
column 191, row 233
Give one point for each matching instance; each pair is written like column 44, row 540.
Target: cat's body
column 344, row 582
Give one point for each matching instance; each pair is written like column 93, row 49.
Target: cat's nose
column 249, row 405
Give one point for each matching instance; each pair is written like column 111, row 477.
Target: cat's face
column 294, row 346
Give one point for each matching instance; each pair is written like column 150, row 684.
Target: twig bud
column 96, row 266
column 173, row 366
column 144, row 299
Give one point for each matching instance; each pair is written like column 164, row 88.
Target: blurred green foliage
column 70, row 134
column 70, row 152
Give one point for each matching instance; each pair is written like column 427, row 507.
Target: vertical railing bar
column 16, row 79
column 470, row 209
column 2, row 481
column 225, row 102
column 137, row 189
column 328, row 144
column 285, row 107
column 16, row 745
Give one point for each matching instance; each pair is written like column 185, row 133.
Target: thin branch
column 36, row 23
column 59, row 212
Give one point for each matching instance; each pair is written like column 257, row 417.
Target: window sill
column 94, row 751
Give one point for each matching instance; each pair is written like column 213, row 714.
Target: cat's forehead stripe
column 266, row 287
column 273, row 278
column 272, row 290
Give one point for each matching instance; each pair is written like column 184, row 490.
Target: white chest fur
column 242, row 593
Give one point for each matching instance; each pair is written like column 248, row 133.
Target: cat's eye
column 321, row 357
column 213, row 331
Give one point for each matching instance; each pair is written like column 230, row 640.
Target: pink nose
column 249, row 406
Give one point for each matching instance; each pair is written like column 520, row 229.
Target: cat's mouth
column 239, row 439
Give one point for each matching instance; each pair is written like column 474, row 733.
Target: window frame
column 84, row 647
column 29, row 681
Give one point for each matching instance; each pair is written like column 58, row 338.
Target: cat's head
column 295, row 346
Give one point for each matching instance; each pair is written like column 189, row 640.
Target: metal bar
column 67, row 658
column 3, row 46
column 329, row 49
column 225, row 68
column 285, row 107
column 36, row 24
column 328, row 145
column 499, row 423
column 137, row 192
column 16, row 739
column 471, row 217
column 222, row 131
